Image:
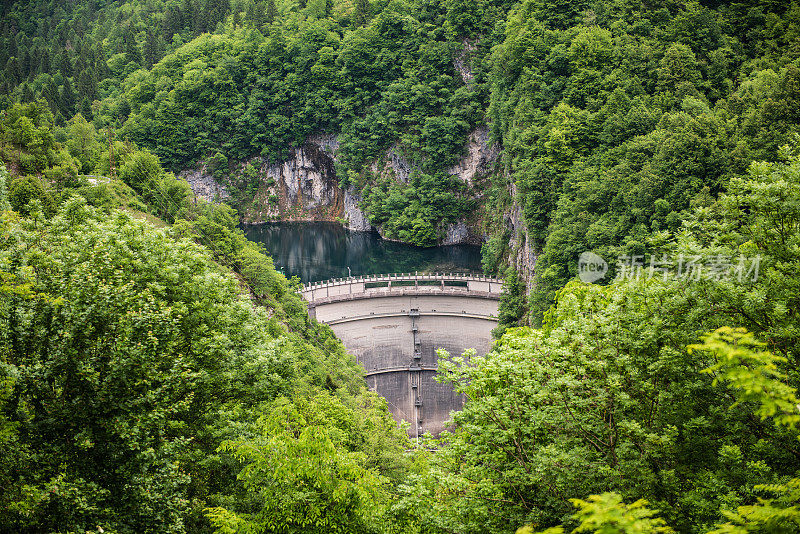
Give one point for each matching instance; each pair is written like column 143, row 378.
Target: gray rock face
column 479, row 157
column 356, row 219
column 307, row 180
column 329, row 143
column 461, row 61
column 204, row 186
column 461, row 233
column 394, row 164
column 305, row 186
column 524, row 256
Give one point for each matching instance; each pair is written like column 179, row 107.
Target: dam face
column 394, row 324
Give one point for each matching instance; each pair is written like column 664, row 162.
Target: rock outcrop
column 479, row 157
column 394, row 164
column 305, row 186
column 461, row 233
column 204, row 185
column 461, row 61
column 523, row 255
column 355, row 218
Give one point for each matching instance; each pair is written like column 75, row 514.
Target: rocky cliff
column 305, row 186
column 523, row 255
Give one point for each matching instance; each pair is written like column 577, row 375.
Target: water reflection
column 319, row 251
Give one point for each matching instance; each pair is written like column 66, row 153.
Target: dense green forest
column 618, row 118
column 272, row 74
column 157, row 374
column 155, row 378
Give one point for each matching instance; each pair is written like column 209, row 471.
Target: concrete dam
column 393, row 324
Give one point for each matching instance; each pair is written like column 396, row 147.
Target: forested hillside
column 614, row 118
column 605, row 400
column 617, row 118
column 274, row 73
column 157, row 374
column 148, row 388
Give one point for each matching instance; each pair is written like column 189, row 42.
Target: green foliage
column 604, row 111
column 24, row 191
column 4, row 179
column 129, row 357
column 607, row 514
column 82, row 143
column 141, row 170
column 605, row 399
column 128, row 389
column 416, row 212
column 512, row 302
column 301, row 474
column 753, row 372
column 27, row 138
column 493, row 252
column 759, row 215
column 779, row 514
column 79, row 52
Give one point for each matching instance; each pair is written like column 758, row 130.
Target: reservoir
column 316, row 251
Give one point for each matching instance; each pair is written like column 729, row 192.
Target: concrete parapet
column 419, row 281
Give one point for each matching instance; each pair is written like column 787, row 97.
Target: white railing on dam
column 368, row 285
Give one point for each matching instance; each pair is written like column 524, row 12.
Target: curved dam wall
column 394, row 324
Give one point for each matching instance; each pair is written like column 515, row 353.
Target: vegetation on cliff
column 617, row 119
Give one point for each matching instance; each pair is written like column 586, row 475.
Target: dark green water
column 319, row 251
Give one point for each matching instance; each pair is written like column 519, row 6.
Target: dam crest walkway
column 398, row 284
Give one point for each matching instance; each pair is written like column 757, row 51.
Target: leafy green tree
column 13, row 70
column 271, row 11
column 606, row 513
column 752, row 373
column 362, row 12
column 133, row 53
column 67, row 99
column 82, row 143
column 152, row 49
column 87, row 83
column 301, row 476
column 25, row 190
column 4, row 179
column 161, row 358
column 678, row 70
column 512, row 305
column 758, row 218
column 141, row 170
column 27, row 94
